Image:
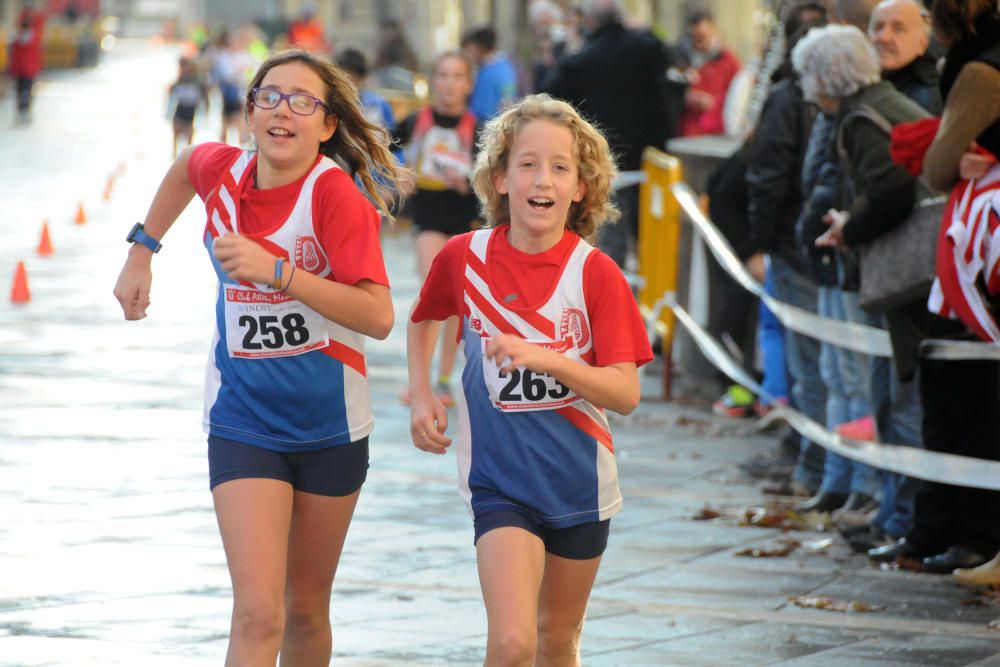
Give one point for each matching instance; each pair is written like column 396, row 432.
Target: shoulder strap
column 862, row 111
column 467, row 129
column 422, row 123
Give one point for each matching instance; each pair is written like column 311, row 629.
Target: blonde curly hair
column 595, row 164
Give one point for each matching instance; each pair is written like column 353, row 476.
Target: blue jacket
column 496, row 84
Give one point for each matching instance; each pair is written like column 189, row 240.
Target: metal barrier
column 659, row 249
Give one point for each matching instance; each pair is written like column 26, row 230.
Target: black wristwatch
column 138, row 235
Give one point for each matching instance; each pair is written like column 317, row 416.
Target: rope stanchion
column 911, row 461
column 659, row 249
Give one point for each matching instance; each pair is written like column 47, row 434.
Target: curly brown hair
column 357, row 143
column 593, row 157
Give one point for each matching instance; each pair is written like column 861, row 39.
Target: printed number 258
column 272, row 336
column 532, row 386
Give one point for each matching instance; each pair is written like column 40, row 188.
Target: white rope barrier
column 849, row 335
column 911, row 461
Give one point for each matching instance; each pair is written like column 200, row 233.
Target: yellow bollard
column 659, row 248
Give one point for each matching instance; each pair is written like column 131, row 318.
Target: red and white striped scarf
column 969, row 249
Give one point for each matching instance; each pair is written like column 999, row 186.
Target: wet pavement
column 109, row 553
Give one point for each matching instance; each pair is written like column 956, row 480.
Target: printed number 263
column 532, row 386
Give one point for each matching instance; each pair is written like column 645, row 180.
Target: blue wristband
column 138, row 235
column 277, row 274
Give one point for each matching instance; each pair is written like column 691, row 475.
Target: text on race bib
column 263, row 324
column 523, row 390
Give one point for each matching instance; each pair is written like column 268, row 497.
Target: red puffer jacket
column 26, row 46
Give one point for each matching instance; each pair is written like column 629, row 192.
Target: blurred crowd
column 870, row 116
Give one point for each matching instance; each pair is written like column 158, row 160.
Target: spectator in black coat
column 618, row 81
column 775, row 194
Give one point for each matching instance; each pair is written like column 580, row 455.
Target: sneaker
column 762, row 409
column 736, row 402
column 859, row 429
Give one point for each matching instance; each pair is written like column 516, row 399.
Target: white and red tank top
column 526, row 440
column 280, row 375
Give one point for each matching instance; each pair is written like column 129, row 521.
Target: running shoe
column 859, row 429
column 736, row 402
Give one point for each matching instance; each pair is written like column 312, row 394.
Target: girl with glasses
column 295, row 246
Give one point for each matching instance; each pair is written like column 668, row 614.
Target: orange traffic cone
column 45, row 244
column 81, row 216
column 108, row 186
column 19, row 292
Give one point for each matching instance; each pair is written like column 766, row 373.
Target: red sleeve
column 206, row 164
column 443, row 292
column 619, row 331
column 348, row 227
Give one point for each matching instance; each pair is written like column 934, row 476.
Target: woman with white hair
column 840, row 71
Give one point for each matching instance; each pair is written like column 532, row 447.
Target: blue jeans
column 845, row 401
column 771, row 336
column 802, row 356
column 896, row 407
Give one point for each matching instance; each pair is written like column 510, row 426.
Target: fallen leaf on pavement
column 706, row 513
column 830, row 604
column 786, row 547
column 816, row 546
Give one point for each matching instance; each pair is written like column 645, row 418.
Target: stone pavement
column 109, row 553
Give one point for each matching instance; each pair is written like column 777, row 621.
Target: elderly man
column 901, row 36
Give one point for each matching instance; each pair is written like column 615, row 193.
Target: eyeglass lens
column 299, row 102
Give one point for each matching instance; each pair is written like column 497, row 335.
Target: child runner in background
column 377, row 109
column 295, row 246
column 552, row 336
column 439, row 145
column 230, row 63
column 26, row 59
column 186, row 94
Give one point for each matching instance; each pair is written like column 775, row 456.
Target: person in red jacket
column 710, row 68
column 26, row 59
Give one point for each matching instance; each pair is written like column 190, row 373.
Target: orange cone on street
column 108, row 186
column 19, row 292
column 81, row 216
column 45, row 244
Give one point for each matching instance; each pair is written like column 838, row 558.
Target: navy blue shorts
column 581, row 542
column 333, row 471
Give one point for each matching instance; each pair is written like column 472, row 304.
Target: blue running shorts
column 581, row 542
column 332, row 471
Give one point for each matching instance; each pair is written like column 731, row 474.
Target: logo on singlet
column 574, row 324
column 307, row 254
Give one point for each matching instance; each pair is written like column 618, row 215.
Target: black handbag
column 897, row 268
